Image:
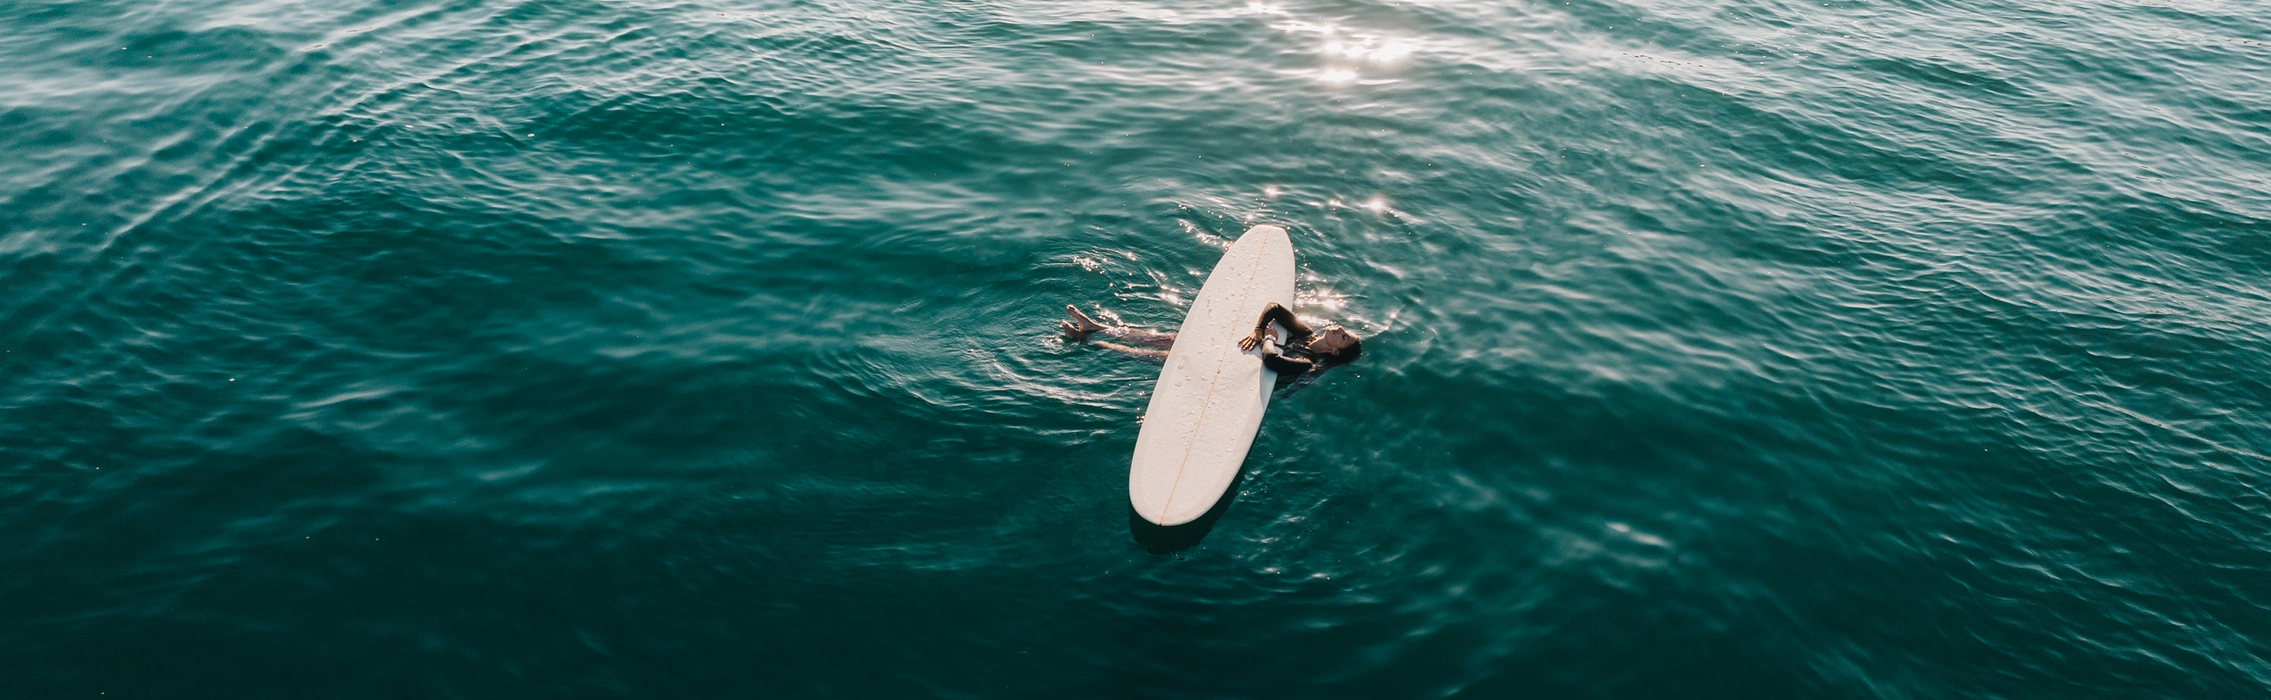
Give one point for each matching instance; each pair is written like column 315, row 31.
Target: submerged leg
column 1081, row 326
column 1163, row 341
column 1145, row 354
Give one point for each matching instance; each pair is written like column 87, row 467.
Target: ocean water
column 493, row 348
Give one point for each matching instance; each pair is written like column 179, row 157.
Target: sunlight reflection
column 1299, row 27
column 1344, row 52
column 1317, row 297
column 1370, row 50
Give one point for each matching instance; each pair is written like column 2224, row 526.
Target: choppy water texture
column 488, row 348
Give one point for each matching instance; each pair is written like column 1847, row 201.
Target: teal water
column 490, row 348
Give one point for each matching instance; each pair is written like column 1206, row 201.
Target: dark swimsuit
column 1294, row 367
column 1291, row 359
column 1294, row 364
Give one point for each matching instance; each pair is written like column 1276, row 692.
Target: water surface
column 488, row 348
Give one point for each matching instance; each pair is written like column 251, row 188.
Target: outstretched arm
column 1295, row 330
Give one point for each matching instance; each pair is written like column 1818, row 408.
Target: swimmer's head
column 1336, row 344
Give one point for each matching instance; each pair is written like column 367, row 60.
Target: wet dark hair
column 1349, row 353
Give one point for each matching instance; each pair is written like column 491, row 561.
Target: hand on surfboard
column 1249, row 342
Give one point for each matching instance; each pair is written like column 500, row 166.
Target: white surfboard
column 1209, row 400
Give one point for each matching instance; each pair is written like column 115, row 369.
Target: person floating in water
column 1305, row 354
